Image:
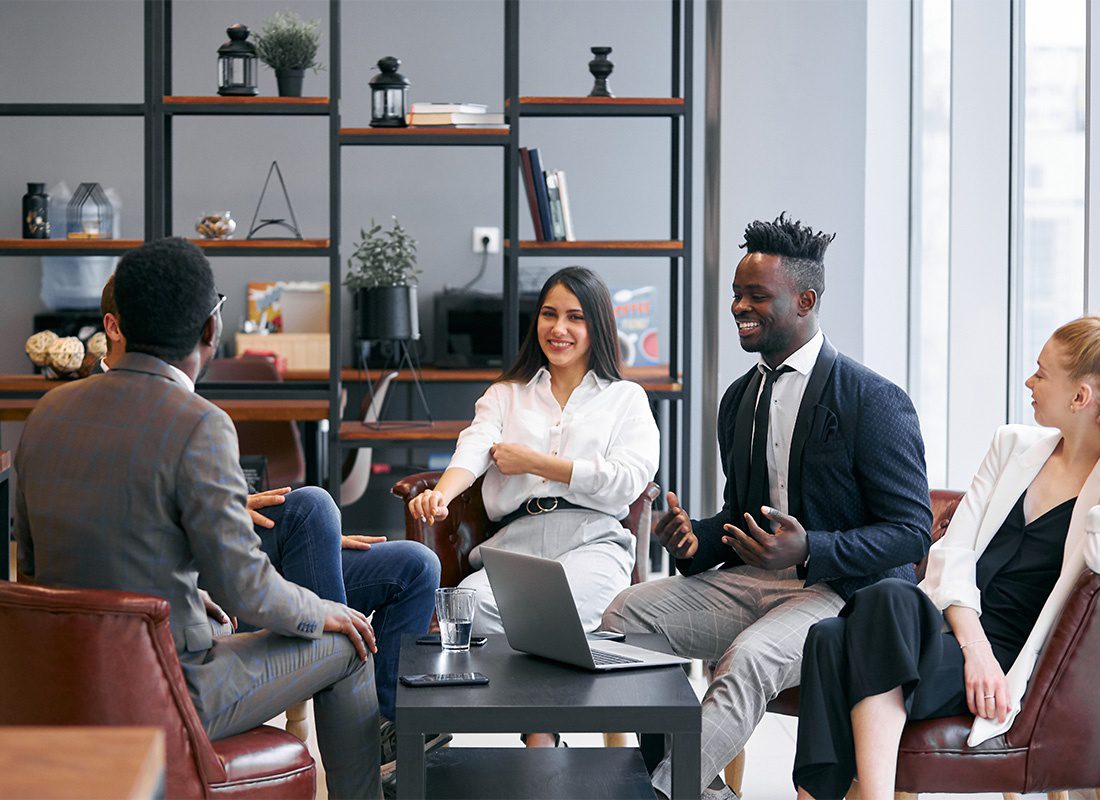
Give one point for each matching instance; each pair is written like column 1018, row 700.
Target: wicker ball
column 97, row 345
column 38, row 347
column 66, row 355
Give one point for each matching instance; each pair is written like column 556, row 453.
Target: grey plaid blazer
column 129, row 481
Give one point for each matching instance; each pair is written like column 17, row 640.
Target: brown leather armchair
column 1053, row 743
column 467, row 525
column 98, row 657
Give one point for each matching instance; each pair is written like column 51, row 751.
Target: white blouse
column 606, row 429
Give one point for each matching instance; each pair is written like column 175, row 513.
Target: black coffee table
column 531, row 694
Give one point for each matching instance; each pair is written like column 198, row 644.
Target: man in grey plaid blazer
column 825, row 493
column 131, row 481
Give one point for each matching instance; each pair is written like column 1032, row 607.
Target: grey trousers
column 595, row 549
column 752, row 622
column 248, row 678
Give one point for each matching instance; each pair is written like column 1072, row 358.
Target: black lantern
column 389, row 95
column 237, row 64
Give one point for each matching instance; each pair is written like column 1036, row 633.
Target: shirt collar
column 103, row 365
column 803, row 359
column 589, row 377
column 184, row 378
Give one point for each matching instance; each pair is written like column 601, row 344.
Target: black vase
column 36, row 212
column 290, row 82
column 387, row 312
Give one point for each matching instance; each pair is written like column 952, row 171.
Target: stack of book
column 547, row 197
column 454, row 115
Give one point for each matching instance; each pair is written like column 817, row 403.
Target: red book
column 529, row 184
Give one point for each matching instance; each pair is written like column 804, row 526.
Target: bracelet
column 976, row 641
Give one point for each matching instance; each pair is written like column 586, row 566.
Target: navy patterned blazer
column 857, row 479
column 131, row 481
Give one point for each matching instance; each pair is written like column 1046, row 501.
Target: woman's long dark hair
column 603, row 337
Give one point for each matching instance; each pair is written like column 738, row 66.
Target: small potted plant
column 382, row 274
column 288, row 44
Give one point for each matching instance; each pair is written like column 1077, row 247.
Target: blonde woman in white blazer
column 968, row 637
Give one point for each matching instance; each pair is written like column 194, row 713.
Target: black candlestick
column 600, row 68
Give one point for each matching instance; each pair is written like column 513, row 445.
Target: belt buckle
column 539, row 509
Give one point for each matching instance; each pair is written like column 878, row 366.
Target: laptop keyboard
column 602, row 658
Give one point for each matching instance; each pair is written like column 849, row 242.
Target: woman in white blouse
column 559, row 430
column 968, row 637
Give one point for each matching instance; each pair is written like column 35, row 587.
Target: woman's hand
column 986, row 687
column 514, row 459
column 272, row 497
column 428, row 506
column 359, row 542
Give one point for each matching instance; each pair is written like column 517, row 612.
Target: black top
column 1016, row 573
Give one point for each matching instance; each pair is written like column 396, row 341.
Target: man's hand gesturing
column 787, row 547
column 674, row 530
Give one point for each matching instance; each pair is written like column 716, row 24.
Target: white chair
column 354, row 486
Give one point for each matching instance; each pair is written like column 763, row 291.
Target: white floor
column 770, row 754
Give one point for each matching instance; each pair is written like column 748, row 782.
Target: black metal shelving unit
column 160, row 107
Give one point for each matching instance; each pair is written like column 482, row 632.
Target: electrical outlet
column 493, row 234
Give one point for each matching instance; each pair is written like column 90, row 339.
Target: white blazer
column 1014, row 459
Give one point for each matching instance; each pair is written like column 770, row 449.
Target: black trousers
column 888, row 635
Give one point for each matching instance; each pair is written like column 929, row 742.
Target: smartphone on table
column 445, row 679
column 433, row 638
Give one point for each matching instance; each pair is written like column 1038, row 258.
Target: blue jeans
column 394, row 580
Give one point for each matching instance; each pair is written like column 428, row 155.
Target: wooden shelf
column 69, row 247
column 425, row 135
column 653, row 378
column 606, row 248
column 216, row 104
column 5, row 460
column 356, row 434
column 19, row 409
column 264, row 246
column 601, row 106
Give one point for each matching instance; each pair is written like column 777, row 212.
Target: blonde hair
column 1080, row 340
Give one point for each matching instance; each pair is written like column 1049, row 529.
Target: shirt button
column 553, row 452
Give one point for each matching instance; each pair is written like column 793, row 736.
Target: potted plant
column 288, row 44
column 382, row 274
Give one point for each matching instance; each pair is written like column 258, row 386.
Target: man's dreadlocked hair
column 800, row 249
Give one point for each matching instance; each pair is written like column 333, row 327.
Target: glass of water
column 455, row 609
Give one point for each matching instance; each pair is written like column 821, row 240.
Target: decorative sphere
column 66, row 355
column 97, row 344
column 38, row 347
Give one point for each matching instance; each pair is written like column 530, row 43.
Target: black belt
column 536, row 506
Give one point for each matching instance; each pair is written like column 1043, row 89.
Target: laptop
column 551, row 628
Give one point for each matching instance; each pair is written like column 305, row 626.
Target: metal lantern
column 389, row 95
column 237, row 64
column 90, row 214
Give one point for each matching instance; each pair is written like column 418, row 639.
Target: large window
column 931, row 229
column 1050, row 282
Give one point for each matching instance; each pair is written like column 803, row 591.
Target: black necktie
column 759, row 493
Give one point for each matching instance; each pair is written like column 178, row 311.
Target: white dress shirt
column 786, row 398
column 606, row 429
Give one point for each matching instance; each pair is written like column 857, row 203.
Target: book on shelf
column 456, row 118
column 529, row 186
column 566, row 214
column 449, row 108
column 557, row 225
column 539, row 180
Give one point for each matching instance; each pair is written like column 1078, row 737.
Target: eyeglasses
column 218, row 305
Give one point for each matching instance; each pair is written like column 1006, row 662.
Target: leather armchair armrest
column 452, row 539
column 1060, row 716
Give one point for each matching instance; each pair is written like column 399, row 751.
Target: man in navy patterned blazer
column 825, row 493
column 129, row 480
